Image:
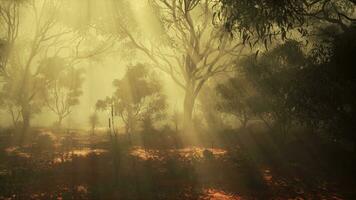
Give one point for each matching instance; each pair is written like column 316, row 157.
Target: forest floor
column 77, row 165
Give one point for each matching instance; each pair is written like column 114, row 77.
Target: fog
column 177, row 99
column 101, row 70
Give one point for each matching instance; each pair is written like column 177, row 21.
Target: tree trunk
column 25, row 105
column 189, row 101
column 93, row 130
column 244, row 119
column 26, row 117
column 128, row 130
column 26, row 122
column 59, row 122
column 243, row 122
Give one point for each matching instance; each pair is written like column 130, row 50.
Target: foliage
column 271, row 74
column 262, row 20
column 324, row 91
column 235, row 95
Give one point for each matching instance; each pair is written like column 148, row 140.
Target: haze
column 177, row 99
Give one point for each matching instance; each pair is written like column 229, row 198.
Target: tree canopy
column 263, row 20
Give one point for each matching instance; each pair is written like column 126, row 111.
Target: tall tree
column 187, row 46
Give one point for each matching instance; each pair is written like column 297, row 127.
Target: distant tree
column 138, row 97
column 176, row 118
column 64, row 86
column 93, row 121
column 104, row 104
column 235, row 94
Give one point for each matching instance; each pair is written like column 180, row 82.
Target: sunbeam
column 177, row 99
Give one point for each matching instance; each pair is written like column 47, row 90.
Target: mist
column 177, row 99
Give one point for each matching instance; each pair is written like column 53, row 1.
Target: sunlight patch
column 215, row 194
column 78, row 153
column 16, row 151
column 145, row 154
column 186, row 153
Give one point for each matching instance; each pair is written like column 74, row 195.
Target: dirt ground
column 77, row 165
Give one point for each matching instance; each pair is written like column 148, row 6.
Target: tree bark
column 59, row 122
column 244, row 119
column 26, row 122
column 189, row 101
column 243, row 123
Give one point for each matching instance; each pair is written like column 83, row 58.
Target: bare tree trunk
column 26, row 122
column 93, row 130
column 244, row 119
column 59, row 122
column 114, row 147
column 26, row 117
column 189, row 101
column 243, row 122
column 128, row 132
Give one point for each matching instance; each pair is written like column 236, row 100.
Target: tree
column 262, row 20
column 272, row 74
column 64, row 88
column 9, row 21
column 176, row 117
column 137, row 97
column 12, row 97
column 187, row 48
column 208, row 99
column 323, row 92
column 235, row 94
column 93, row 121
